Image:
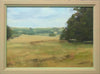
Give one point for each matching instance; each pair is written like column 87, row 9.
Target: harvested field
column 45, row 51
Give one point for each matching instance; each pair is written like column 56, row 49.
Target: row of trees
column 9, row 32
column 80, row 25
column 15, row 32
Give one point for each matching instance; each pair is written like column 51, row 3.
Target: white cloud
column 38, row 17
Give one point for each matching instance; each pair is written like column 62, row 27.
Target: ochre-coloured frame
column 68, row 3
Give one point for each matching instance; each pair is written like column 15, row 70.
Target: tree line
column 80, row 25
column 15, row 32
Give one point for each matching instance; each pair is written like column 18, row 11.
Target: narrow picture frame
column 53, row 3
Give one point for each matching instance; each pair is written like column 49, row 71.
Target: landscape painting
column 49, row 37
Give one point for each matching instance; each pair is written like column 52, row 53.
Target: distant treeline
column 35, row 31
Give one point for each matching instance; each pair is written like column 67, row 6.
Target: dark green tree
column 30, row 31
column 80, row 25
column 64, row 34
column 52, row 34
column 9, row 32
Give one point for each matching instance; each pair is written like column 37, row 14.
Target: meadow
column 46, row 51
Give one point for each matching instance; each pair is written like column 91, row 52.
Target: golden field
column 45, row 51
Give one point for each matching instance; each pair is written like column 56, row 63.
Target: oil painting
column 49, row 37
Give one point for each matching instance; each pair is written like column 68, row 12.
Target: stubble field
column 45, row 51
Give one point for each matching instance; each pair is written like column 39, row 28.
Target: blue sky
column 38, row 17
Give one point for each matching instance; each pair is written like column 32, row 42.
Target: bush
column 52, row 34
column 9, row 32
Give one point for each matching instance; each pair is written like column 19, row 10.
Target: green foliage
column 80, row 25
column 36, row 31
column 9, row 32
column 30, row 31
column 52, row 34
column 63, row 34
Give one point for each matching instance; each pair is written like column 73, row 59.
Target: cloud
column 38, row 16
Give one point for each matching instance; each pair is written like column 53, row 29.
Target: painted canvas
column 49, row 37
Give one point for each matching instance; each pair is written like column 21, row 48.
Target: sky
column 38, row 17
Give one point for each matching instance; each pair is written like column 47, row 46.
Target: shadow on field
column 60, row 41
column 38, row 61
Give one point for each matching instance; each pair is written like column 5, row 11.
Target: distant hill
column 36, row 31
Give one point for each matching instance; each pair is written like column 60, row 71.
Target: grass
column 44, row 51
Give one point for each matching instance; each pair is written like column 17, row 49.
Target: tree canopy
column 80, row 25
column 9, row 32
